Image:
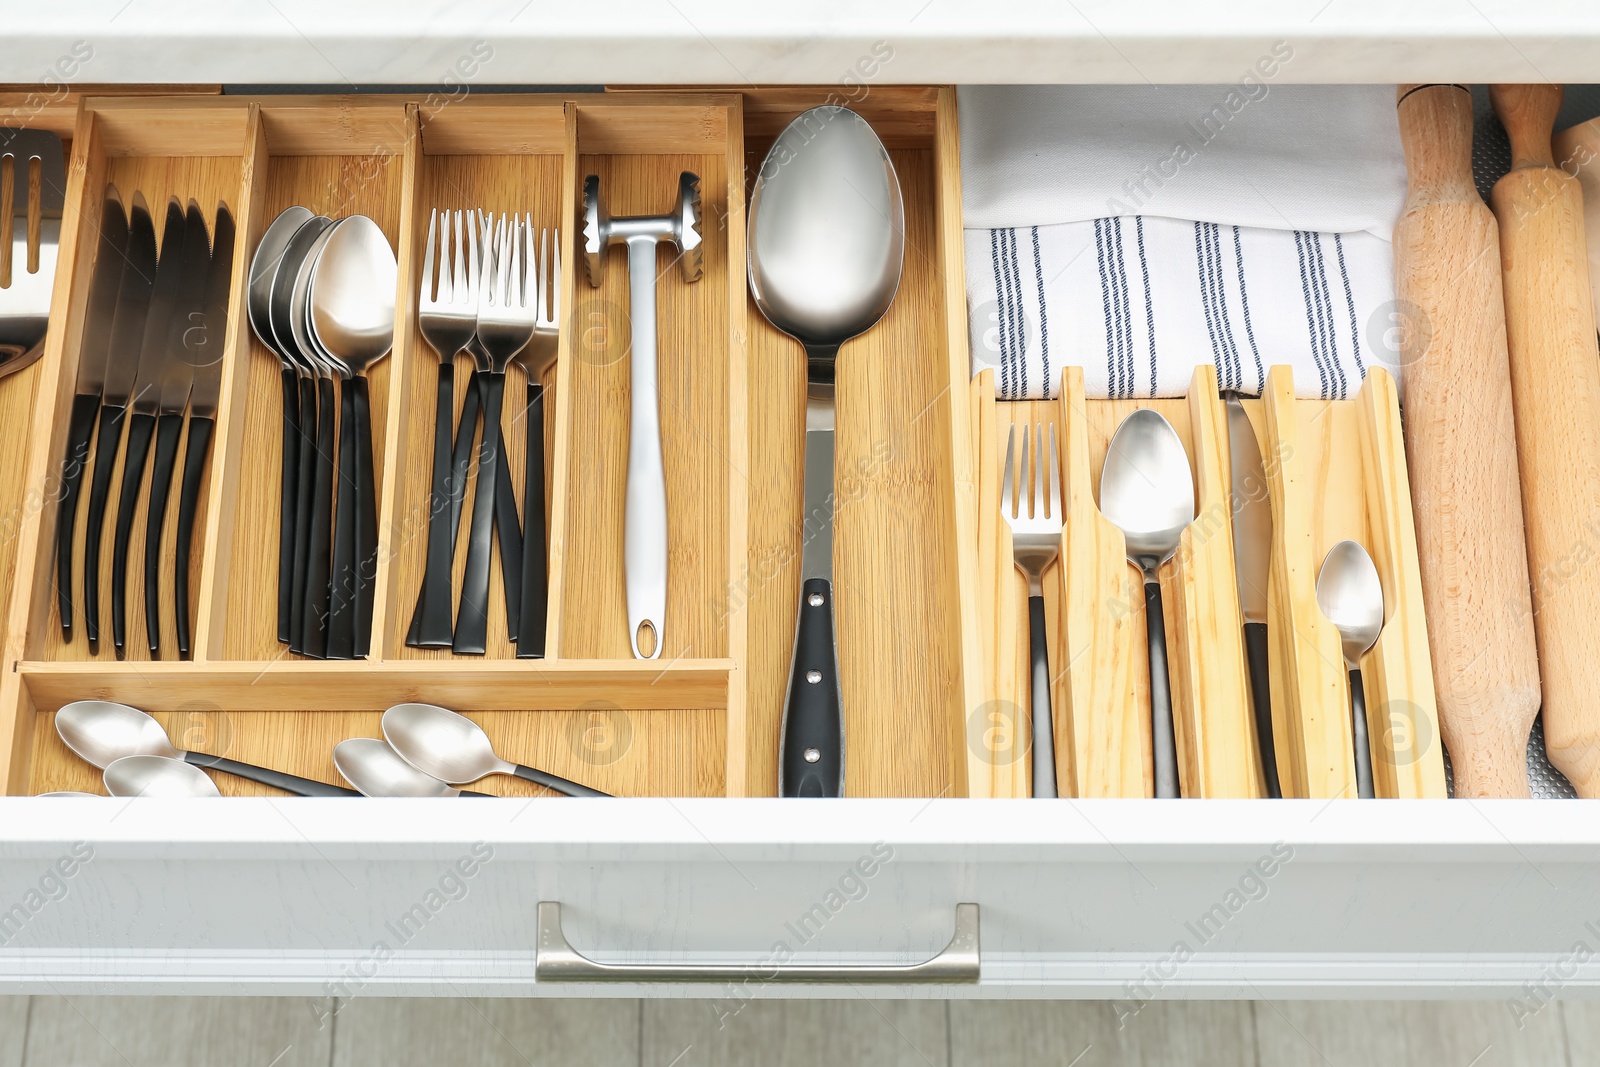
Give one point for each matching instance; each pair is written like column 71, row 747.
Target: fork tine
column 427, row 259
column 1006, row 508
column 1055, row 477
column 1041, row 495
column 1025, row 504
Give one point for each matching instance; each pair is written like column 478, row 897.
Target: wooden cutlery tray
column 1335, row 470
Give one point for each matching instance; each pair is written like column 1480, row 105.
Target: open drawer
column 698, row 876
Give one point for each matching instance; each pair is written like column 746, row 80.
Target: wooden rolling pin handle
column 1436, row 132
column 1528, row 112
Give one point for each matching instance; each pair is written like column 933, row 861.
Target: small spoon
column 377, row 770
column 1351, row 596
column 1147, row 489
column 455, row 749
column 101, row 731
column 157, row 776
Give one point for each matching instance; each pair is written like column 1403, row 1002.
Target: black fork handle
column 107, row 443
column 287, row 498
column 472, row 621
column 535, row 552
column 140, row 429
column 85, row 406
column 194, row 466
column 169, row 430
column 431, row 622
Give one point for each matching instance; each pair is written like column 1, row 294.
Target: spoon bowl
column 441, row 743
column 264, row 271
column 68, row 793
column 1351, row 596
column 1146, row 487
column 351, row 301
column 157, row 776
column 102, row 732
column 378, row 771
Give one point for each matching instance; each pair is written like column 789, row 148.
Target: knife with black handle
column 1252, row 561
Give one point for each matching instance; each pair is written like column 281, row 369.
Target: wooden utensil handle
column 1461, row 449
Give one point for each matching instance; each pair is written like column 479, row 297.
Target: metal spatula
column 33, row 185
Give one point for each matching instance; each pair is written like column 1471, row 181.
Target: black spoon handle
column 107, row 443
column 430, row 624
column 302, row 511
column 290, row 783
column 194, row 467
column 535, row 553
column 342, row 605
column 287, row 498
column 564, row 786
column 1163, row 743
column 472, row 621
column 1358, row 734
column 169, row 430
column 85, row 406
column 321, row 536
column 140, row 429
column 509, row 533
column 811, row 763
column 1255, row 649
column 366, row 520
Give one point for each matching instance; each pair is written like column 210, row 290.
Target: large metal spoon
column 157, row 776
column 1351, row 596
column 1147, row 489
column 377, row 770
column 102, row 732
column 455, row 749
column 826, row 245
column 350, row 309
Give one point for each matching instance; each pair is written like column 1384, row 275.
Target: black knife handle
column 366, row 520
column 509, row 532
column 472, row 621
column 1358, row 734
column 811, row 763
column 1255, row 654
column 140, row 429
column 535, row 553
column 107, row 442
column 321, row 536
column 169, row 430
column 289, row 783
column 342, row 603
column 287, row 498
column 431, row 622
column 302, row 511
column 1044, row 746
column 564, row 786
column 85, row 406
column 1163, row 743
column 194, row 467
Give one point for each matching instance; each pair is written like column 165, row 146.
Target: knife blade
column 110, row 255
column 122, row 366
column 1252, row 563
column 206, row 355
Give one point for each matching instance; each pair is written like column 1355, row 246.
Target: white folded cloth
column 1252, row 153
column 1138, row 302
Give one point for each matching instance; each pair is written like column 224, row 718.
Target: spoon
column 1351, row 596
column 1146, row 489
column 378, row 771
column 67, row 793
column 157, row 776
column 826, row 245
column 263, row 270
column 101, row 732
column 455, row 749
column 350, row 310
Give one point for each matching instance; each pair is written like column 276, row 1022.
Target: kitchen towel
column 1252, row 153
column 1114, row 294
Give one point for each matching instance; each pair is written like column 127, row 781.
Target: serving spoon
column 455, row 749
column 1147, row 490
column 157, row 776
column 1351, row 597
column 826, row 247
column 102, row 732
column 377, row 770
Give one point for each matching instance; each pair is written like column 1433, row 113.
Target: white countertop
column 483, row 43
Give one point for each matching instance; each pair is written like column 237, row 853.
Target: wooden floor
column 49, row 1031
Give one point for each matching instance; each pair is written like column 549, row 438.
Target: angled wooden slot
column 1338, row 472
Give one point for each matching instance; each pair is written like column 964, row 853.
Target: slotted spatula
column 33, row 186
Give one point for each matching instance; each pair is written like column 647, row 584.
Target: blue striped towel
column 1139, row 301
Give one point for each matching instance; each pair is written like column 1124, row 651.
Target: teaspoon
column 455, row 749
column 157, row 776
column 377, row 770
column 1351, row 597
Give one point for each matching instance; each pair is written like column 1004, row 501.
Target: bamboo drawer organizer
column 1334, row 470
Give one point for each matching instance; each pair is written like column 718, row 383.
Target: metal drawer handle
column 555, row 960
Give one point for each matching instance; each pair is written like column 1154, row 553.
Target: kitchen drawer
column 1125, row 899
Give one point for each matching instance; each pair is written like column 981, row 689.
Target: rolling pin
column 1555, row 394
column 1461, row 450
column 1578, row 152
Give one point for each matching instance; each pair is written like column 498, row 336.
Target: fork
column 448, row 321
column 537, row 359
column 505, row 326
column 1030, row 501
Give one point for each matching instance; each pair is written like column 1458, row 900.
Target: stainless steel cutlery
column 1252, row 560
column 1350, row 594
column 1030, row 501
